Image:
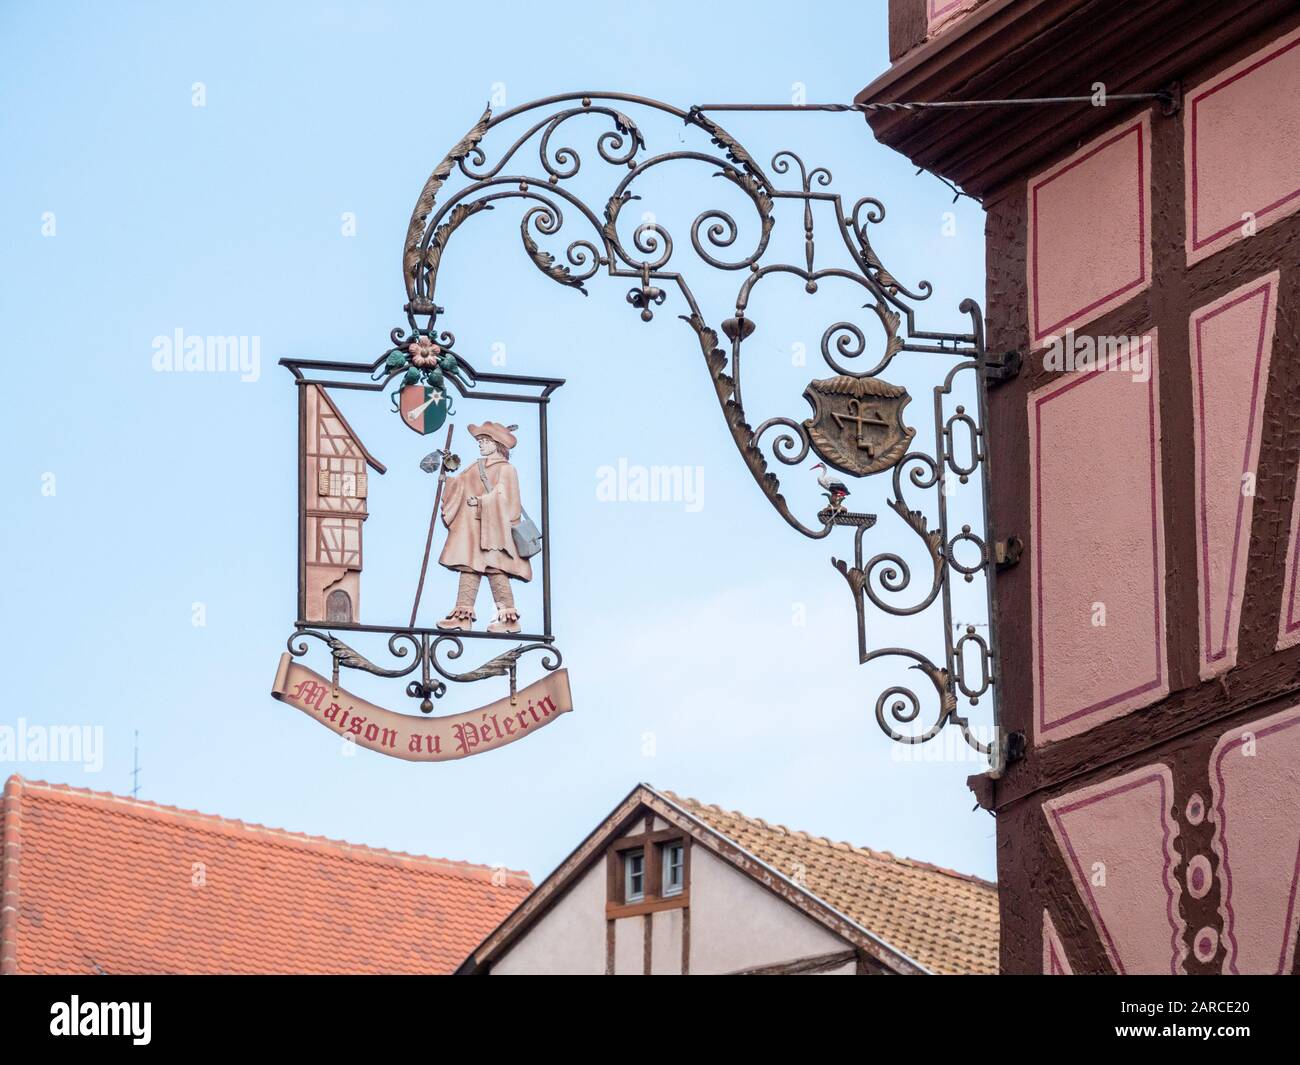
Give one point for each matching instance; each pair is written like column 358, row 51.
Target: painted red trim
column 1210, row 654
column 1291, row 623
column 1057, row 962
column 1225, row 867
column 1198, row 244
column 1043, row 726
column 1139, row 128
column 1063, row 836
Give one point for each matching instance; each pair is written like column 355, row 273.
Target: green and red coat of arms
column 423, row 399
column 423, row 409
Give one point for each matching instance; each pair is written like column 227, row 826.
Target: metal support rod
column 543, row 446
column 302, row 500
column 936, row 105
column 391, row 630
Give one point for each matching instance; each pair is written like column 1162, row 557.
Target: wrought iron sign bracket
column 1005, row 369
column 857, row 428
column 1172, row 102
column 1006, row 553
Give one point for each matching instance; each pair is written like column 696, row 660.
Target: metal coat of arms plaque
column 857, row 423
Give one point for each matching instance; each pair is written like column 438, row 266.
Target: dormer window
column 648, row 871
column 634, row 876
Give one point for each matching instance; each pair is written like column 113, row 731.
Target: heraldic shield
column 423, row 409
column 857, row 423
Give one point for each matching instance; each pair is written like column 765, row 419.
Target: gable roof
column 100, row 883
column 371, row 461
column 910, row 917
column 947, row 921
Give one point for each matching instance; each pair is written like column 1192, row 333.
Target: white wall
column 734, row 924
column 629, row 946
column 570, row 937
column 666, row 943
column 737, row 924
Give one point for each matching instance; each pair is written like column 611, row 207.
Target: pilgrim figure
column 480, row 506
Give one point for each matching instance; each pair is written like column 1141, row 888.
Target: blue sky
column 711, row 649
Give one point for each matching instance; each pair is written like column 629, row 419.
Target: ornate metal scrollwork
column 857, row 426
column 428, row 687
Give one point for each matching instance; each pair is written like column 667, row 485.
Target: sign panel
column 422, row 739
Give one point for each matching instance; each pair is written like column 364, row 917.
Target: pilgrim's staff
column 445, row 463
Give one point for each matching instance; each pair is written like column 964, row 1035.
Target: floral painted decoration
column 425, row 360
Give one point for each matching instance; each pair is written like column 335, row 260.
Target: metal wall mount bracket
column 1007, row 368
column 857, row 429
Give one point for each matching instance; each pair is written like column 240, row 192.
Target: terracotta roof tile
column 95, row 882
column 945, row 920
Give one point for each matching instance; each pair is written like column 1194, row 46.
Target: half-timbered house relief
column 334, row 509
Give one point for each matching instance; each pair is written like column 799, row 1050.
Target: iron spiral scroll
column 468, row 181
column 423, row 648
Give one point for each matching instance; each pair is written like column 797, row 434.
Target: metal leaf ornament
column 425, row 362
column 545, row 261
column 411, row 256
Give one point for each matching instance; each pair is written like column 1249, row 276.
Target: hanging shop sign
column 483, row 579
column 489, row 523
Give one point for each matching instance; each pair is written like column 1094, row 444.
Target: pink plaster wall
column 1055, row 963
column 1231, row 342
column 1241, row 146
column 1288, row 627
column 1089, row 231
column 320, row 580
column 1117, row 838
column 943, row 14
column 1255, row 787
column 1096, row 537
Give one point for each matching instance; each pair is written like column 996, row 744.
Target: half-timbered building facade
column 667, row 885
column 1150, row 634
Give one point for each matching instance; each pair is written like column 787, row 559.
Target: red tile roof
column 905, row 916
column 93, row 882
column 948, row 921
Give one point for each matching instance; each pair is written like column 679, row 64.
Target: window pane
column 634, row 876
column 674, row 856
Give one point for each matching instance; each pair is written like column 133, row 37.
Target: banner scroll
column 422, row 739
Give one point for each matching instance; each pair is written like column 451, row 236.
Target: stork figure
column 835, row 491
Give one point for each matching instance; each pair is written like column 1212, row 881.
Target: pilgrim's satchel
column 528, row 540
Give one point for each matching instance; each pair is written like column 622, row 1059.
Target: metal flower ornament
column 424, row 399
column 857, row 429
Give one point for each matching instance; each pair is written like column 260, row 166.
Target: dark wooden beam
column 1030, row 48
